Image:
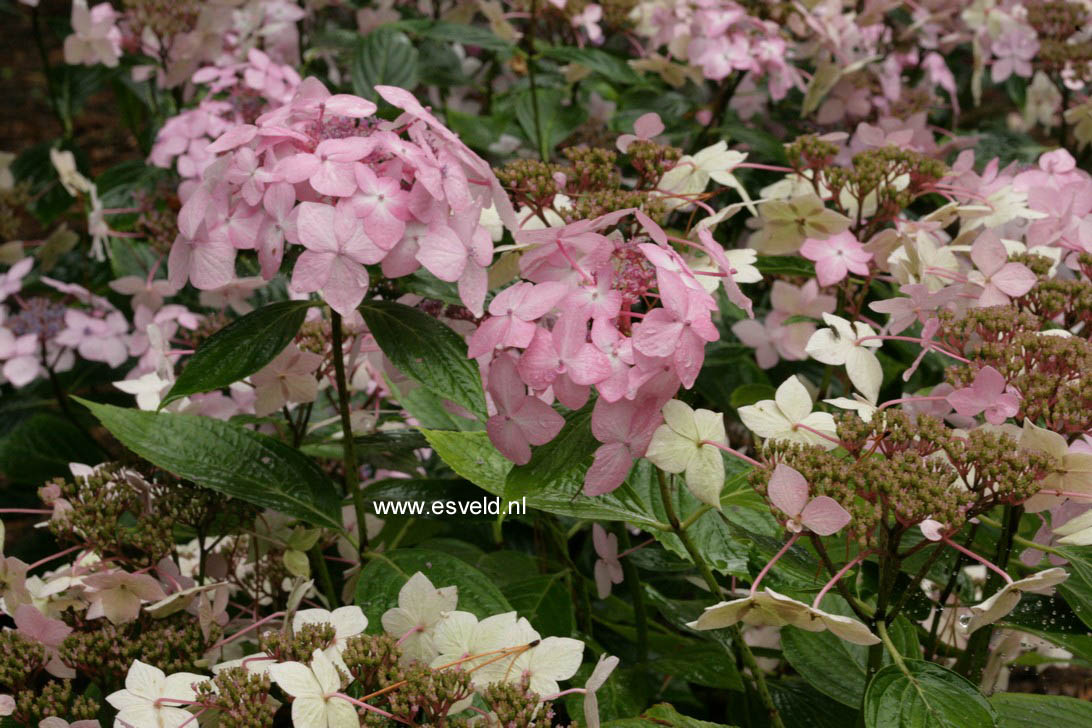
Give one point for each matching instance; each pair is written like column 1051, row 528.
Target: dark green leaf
column 624, row 694
column 708, row 665
column 801, row 706
column 610, row 66
column 1077, row 589
column 567, row 456
column 1023, row 710
column 385, row 575
column 471, row 455
column 239, row 349
column 384, row 57
column 41, row 446
column 466, row 34
column 828, row 663
column 428, row 351
column 661, row 715
column 227, row 458
column 555, row 121
column 929, row 697
column 747, row 394
column 545, row 602
column 785, row 265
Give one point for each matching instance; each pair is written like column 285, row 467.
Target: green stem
column 633, row 580
column 1026, row 543
column 530, row 37
column 891, row 649
column 47, row 71
column 701, row 511
column 318, row 563
column 916, row 581
column 745, row 653
column 352, row 470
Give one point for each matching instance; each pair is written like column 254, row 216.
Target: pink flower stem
column 774, row 560
column 407, row 635
column 192, row 718
column 837, row 577
column 638, row 547
column 254, row 626
column 365, row 706
column 570, row 691
column 916, row 340
column 35, row 511
column 57, row 555
column 981, row 559
column 730, row 451
column 900, row 400
column 565, row 253
column 1066, row 494
column 823, row 435
column 769, row 167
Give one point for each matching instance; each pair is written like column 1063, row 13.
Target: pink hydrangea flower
column 835, row 257
column 521, row 419
column 988, row 393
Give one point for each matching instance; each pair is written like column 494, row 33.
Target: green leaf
column 555, row 120
column 625, row 694
column 1077, row 589
column 458, row 493
column 801, row 706
column 228, row 459
column 567, row 456
column 239, row 349
column 707, row 665
column 471, row 455
column 711, row 534
column 41, row 446
column 428, row 351
column 837, row 668
column 468, row 35
column 385, row 575
column 785, row 265
column 747, row 394
column 1024, row 710
column 929, row 697
column 660, row 715
column 608, row 65
column 834, row 667
column 384, row 57
column 545, row 602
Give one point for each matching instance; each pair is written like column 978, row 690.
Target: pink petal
column 538, row 421
column 442, row 253
column 609, row 469
column 1014, row 279
column 347, row 105
column 648, row 125
column 824, row 516
column 507, row 437
column 988, row 253
column 788, row 490
column 966, row 401
column 297, row 168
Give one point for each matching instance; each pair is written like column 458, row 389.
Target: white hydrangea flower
column 780, row 418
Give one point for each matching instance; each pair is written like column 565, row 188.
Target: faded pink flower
column 608, row 569
column 988, row 393
column 521, row 420
column 999, row 278
column 338, row 248
column 118, row 595
column 836, row 256
column 788, row 490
